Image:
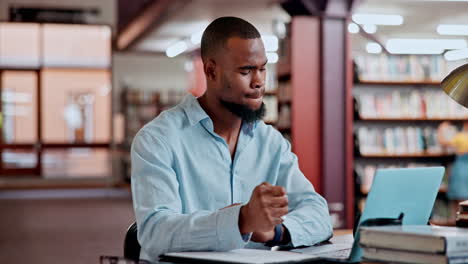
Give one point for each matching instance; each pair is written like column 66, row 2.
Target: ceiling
column 421, row 18
column 196, row 15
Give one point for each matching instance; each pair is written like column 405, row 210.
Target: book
column 388, row 255
column 418, row 238
column 240, row 256
column 463, row 207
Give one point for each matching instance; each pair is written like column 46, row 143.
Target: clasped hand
column 263, row 212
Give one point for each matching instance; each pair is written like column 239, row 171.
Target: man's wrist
column 277, row 238
column 243, row 225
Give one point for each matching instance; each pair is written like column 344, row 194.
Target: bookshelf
column 409, row 155
column 397, row 108
column 410, row 119
column 277, row 97
column 138, row 108
column 402, row 83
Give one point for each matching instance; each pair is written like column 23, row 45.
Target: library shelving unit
column 395, row 121
column 138, row 108
column 279, row 98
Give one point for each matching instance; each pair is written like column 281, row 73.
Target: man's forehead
column 246, row 49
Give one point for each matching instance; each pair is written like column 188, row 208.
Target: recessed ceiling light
column 353, row 28
column 176, row 49
column 370, row 28
column 195, row 38
column 376, row 19
column 270, row 42
column 458, row 30
column 423, row 46
column 456, row 54
column 272, row 57
column 373, row 47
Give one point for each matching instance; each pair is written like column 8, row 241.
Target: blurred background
column 353, row 85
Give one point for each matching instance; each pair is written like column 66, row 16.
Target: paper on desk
column 245, row 256
column 337, row 243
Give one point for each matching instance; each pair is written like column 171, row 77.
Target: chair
column 131, row 246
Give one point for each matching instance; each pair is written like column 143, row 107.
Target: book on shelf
column 408, row 68
column 417, row 238
column 430, row 104
column 399, row 141
column 462, row 214
column 271, row 108
column 401, row 256
column 463, row 207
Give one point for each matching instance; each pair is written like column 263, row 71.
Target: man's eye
column 245, row 72
column 262, row 69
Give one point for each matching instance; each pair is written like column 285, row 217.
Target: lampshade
column 456, row 85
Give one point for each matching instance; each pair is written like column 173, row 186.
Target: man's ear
column 210, row 69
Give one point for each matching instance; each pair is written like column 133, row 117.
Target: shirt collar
column 193, row 110
column 195, row 114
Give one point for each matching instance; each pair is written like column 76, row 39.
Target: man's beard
column 244, row 112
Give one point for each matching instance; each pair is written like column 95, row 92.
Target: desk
column 336, row 237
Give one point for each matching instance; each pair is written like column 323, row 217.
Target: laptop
column 411, row 191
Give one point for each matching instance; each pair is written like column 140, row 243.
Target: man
column 208, row 174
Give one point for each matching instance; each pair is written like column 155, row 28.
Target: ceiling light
column 176, row 49
column 460, row 30
column 375, row 19
column 370, row 28
column 195, row 38
column 270, row 42
column 353, row 28
column 459, row 54
column 423, row 46
column 272, row 57
column 373, row 47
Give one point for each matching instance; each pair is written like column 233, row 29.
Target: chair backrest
column 131, row 246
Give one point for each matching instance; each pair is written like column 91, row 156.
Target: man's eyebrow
column 248, row 67
column 251, row 67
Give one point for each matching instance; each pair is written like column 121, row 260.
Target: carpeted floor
column 48, row 227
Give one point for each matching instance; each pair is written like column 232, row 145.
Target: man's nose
column 258, row 80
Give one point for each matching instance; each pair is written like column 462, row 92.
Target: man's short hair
column 221, row 29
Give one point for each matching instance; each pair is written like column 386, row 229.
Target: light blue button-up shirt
column 183, row 175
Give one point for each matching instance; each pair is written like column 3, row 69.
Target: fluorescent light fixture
column 373, row 47
column 353, row 28
column 370, row 28
column 423, row 46
column 376, row 19
column 459, row 54
column 272, row 57
column 176, row 49
column 270, row 42
column 195, row 38
column 456, row 30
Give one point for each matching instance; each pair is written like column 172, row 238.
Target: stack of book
column 415, row 244
column 462, row 214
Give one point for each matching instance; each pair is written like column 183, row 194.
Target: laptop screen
column 411, row 191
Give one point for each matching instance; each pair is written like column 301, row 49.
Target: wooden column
column 322, row 101
column 306, row 97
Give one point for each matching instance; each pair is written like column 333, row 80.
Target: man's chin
column 248, row 112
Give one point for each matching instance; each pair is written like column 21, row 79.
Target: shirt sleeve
column 162, row 227
column 308, row 220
